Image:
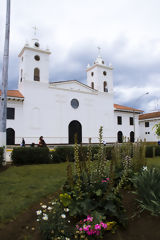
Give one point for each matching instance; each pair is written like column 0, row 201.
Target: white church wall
column 56, row 113
column 17, row 123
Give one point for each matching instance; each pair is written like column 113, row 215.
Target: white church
column 59, row 110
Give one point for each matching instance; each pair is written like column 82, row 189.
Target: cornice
column 33, row 49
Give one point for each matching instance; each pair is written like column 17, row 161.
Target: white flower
column 49, row 208
column 63, row 216
column 145, row 168
column 53, row 203
column 67, row 238
column 37, row 220
column 44, row 206
column 66, row 209
column 45, row 217
column 38, row 212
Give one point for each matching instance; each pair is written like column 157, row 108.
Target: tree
column 157, row 129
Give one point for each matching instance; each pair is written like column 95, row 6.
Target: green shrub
column 30, row 155
column 1, row 155
column 149, row 151
column 147, row 188
column 157, row 151
column 63, row 153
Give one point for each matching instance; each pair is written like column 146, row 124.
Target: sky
column 126, row 30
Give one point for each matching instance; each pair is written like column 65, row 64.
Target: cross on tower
column 35, row 30
column 99, row 51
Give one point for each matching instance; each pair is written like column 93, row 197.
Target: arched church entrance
column 120, row 137
column 10, row 135
column 75, row 128
column 132, row 136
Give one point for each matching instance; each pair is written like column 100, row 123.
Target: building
column 146, row 123
column 58, row 110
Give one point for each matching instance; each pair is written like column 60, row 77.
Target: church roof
column 73, row 81
column 149, row 115
column 124, row 108
column 14, row 94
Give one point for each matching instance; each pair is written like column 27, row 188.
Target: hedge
column 1, row 155
column 61, row 154
column 30, row 155
column 152, row 151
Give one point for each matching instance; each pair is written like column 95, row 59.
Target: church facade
column 59, row 110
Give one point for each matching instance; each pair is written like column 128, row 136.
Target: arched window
column 105, row 86
column 21, row 75
column 36, row 74
column 120, row 137
column 131, row 136
column 92, row 85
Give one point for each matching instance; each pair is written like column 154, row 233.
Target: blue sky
column 126, row 30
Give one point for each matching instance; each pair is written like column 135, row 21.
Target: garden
column 91, row 192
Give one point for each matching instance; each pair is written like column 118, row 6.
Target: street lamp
column 3, row 101
column 134, row 125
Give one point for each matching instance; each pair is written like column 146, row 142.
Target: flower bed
column 90, row 203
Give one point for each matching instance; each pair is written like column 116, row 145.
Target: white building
column 58, row 110
column 146, row 123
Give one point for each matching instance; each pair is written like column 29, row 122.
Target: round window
column 74, row 103
column 92, row 73
column 37, row 58
column 104, row 73
column 36, row 44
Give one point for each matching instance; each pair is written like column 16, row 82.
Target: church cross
column 35, row 30
column 99, row 51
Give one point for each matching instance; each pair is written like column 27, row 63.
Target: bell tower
column 99, row 75
column 33, row 63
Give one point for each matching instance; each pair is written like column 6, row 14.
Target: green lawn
column 20, row 187
column 153, row 162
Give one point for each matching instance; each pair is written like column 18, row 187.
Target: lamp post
column 3, row 102
column 134, row 125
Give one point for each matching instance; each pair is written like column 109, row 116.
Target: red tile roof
column 149, row 115
column 13, row 93
column 120, row 107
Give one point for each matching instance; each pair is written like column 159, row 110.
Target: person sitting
column 32, row 144
column 41, row 142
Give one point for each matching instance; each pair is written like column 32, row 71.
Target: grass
column 20, row 187
column 153, row 162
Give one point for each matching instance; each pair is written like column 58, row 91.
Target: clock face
column 74, row 103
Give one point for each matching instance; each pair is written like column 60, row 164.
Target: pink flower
column 104, row 181
column 89, row 218
column 107, row 178
column 91, row 232
column 80, row 229
column 86, row 228
column 97, row 226
column 104, row 225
